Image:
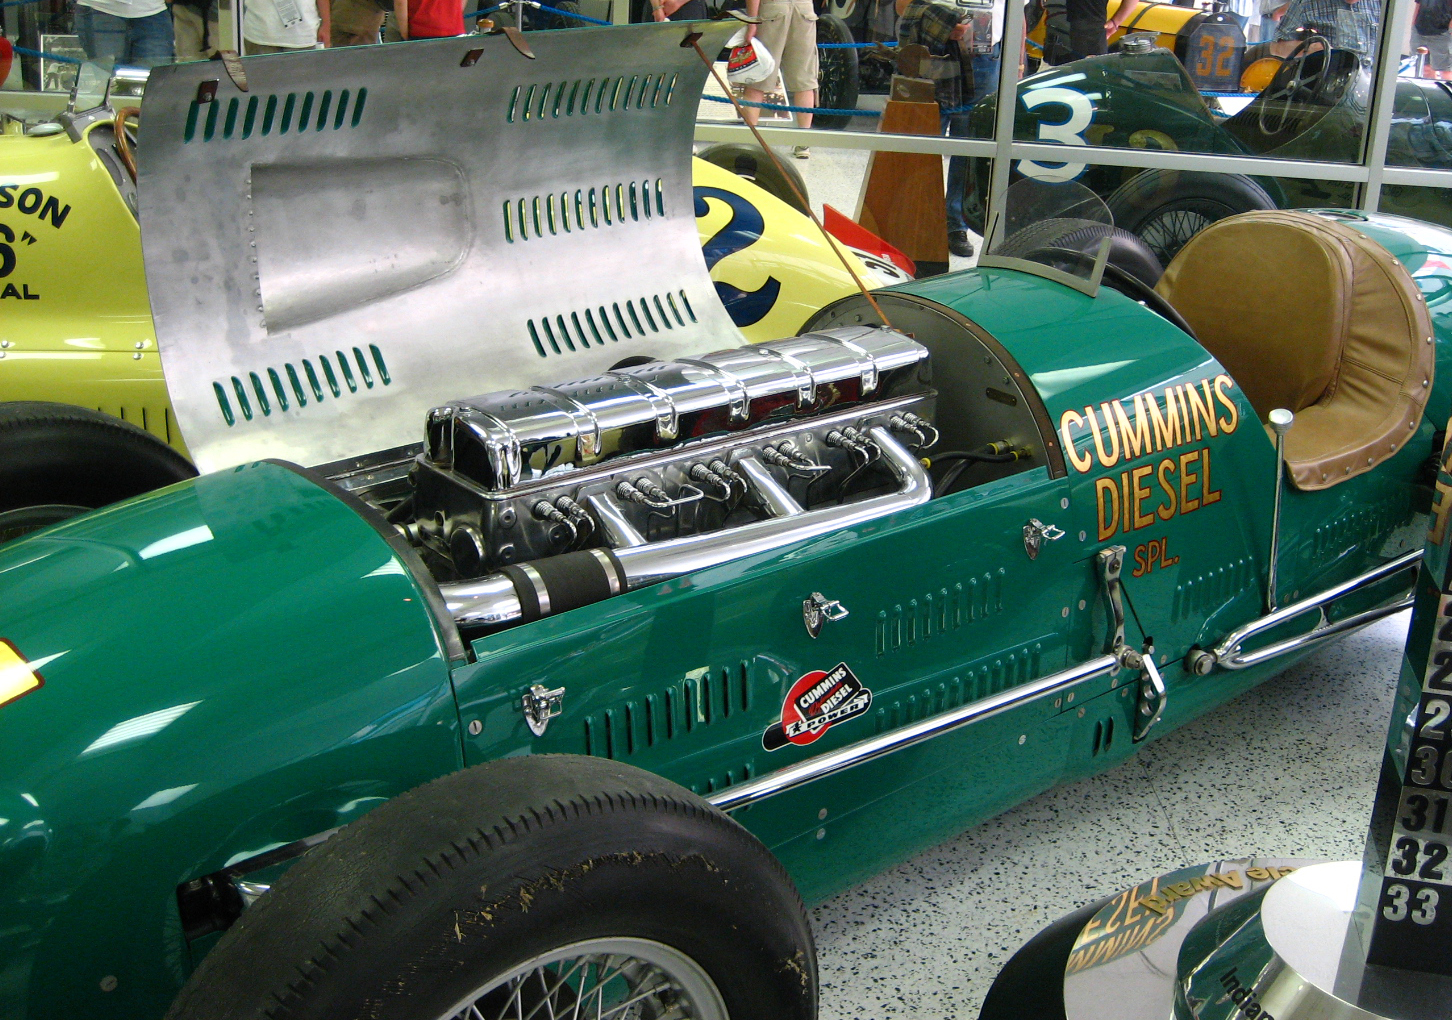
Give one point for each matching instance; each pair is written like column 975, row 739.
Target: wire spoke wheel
column 602, row 979
column 1172, row 229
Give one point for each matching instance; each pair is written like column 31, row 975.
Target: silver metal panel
column 369, row 232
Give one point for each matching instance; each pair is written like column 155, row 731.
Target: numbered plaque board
column 1212, row 52
column 1412, row 928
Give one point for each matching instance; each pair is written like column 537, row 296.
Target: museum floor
column 1288, row 769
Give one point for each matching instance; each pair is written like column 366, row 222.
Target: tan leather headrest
column 1272, row 292
column 1309, row 314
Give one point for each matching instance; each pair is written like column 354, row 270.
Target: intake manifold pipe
column 527, row 591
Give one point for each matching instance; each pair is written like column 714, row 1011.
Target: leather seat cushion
column 1309, row 314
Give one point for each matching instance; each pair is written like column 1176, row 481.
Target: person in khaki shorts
column 356, row 22
column 789, row 30
column 195, row 25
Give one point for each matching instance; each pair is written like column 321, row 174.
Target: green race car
column 1142, row 97
column 431, row 701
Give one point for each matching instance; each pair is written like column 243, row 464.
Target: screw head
column 1064, row 612
column 475, row 727
column 1082, row 604
column 821, row 833
column 1083, row 535
column 1081, row 713
column 108, row 983
column 1064, row 503
column 1023, row 738
column 822, row 814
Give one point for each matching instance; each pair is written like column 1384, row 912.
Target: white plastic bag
column 748, row 64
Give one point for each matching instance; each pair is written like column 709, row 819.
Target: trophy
column 1284, row 939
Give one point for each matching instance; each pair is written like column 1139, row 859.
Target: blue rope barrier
column 541, row 7
column 824, row 111
column 829, row 45
column 48, row 56
column 18, row 3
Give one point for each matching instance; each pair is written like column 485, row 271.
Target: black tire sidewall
column 59, row 454
column 339, row 937
column 1156, row 193
column 845, row 81
column 750, row 163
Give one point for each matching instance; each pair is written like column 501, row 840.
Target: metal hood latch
column 1152, row 695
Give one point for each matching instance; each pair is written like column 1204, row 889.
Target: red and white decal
column 816, row 702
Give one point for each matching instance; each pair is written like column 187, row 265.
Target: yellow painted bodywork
column 1166, row 19
column 85, row 335
column 791, row 249
column 73, row 309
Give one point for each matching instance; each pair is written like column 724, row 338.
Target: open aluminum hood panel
column 366, row 233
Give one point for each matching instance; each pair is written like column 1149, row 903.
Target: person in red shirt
column 429, row 19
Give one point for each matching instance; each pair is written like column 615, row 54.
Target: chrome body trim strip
column 832, row 762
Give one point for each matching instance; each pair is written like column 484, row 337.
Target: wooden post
column 902, row 192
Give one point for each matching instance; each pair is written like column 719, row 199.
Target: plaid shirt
column 1349, row 26
column 930, row 23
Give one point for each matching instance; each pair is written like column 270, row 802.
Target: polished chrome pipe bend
column 492, row 601
column 1227, row 654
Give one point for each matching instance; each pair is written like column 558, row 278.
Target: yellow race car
column 85, row 416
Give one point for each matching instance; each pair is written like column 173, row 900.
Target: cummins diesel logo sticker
column 814, row 704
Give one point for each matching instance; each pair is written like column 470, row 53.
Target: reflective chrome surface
column 875, row 747
column 492, row 601
column 599, row 979
column 1228, row 655
column 336, row 250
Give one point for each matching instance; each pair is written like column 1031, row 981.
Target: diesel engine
column 530, row 502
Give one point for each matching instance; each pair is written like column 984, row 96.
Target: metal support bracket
column 541, row 705
column 1111, row 561
column 1153, row 696
column 818, row 609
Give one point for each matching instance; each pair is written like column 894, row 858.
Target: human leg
column 102, row 35
column 957, row 127
column 355, row 22
column 190, row 30
column 807, row 97
column 151, row 41
column 985, row 72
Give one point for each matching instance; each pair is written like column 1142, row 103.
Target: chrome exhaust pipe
column 498, row 599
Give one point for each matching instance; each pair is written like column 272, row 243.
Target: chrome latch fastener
column 1153, row 696
column 1036, row 533
column 541, row 705
column 818, row 609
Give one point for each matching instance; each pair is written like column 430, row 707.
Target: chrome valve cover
column 665, row 449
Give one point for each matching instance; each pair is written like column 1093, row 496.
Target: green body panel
column 1147, row 101
column 228, row 664
column 279, row 673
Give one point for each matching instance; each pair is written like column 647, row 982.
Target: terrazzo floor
column 1288, row 769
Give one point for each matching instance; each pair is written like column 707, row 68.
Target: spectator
column 938, row 25
column 133, row 32
column 681, row 10
column 986, row 65
column 1348, row 24
column 277, row 26
column 430, row 19
column 1081, row 28
column 1429, row 29
column 788, row 30
column 195, row 25
column 357, row 22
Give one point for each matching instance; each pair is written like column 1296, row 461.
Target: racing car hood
column 339, row 240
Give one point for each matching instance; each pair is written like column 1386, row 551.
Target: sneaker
column 959, row 244
column 801, row 152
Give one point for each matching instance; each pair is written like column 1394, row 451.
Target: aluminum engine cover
column 503, row 440
column 362, row 233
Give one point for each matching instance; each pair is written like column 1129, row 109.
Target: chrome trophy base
column 1246, row 939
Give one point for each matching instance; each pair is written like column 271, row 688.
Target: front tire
column 1168, row 207
column 517, row 883
column 58, row 460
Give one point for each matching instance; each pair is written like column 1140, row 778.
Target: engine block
column 659, row 451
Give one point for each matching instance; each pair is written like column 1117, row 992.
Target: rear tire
column 750, row 162
column 1168, row 207
column 452, row 893
column 837, row 77
column 58, row 460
